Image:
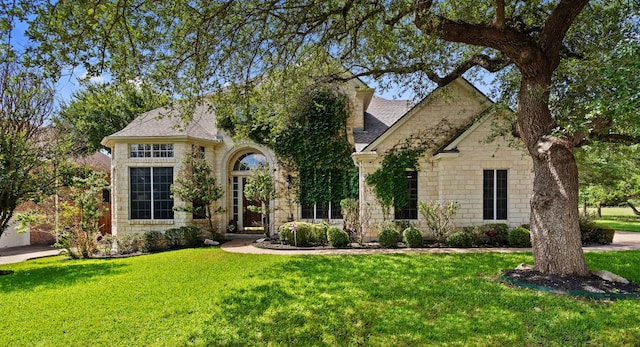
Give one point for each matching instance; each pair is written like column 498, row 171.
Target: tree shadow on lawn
column 56, row 274
column 379, row 300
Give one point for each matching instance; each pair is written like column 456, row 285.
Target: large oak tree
column 186, row 47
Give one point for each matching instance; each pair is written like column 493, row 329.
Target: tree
column 261, row 187
column 101, row 109
column 28, row 147
column 190, row 46
column 197, row 185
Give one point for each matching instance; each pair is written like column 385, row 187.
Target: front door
column 250, row 220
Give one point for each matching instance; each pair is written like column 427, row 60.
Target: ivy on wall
column 389, row 181
column 310, row 140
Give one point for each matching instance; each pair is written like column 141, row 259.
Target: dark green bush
column 593, row 233
column 154, row 241
column 464, row 238
column 319, row 233
column 520, row 237
column 300, row 237
column 494, row 234
column 412, row 237
column 183, row 237
column 337, row 237
column 388, row 236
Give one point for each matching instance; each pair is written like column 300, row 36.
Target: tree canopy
column 29, row 148
column 101, row 109
column 541, row 49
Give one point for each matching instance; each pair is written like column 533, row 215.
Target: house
column 43, row 234
column 491, row 180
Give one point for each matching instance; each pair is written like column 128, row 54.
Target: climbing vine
column 309, row 139
column 389, row 181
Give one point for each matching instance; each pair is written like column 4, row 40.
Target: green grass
column 619, row 218
column 207, row 297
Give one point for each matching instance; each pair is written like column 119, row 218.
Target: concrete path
column 11, row 255
column 622, row 241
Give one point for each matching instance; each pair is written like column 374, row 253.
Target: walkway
column 622, row 241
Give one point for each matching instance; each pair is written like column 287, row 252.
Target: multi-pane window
column 494, row 195
column 150, row 194
column 321, row 211
column 147, row 150
column 411, row 210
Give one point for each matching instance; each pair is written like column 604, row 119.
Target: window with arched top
column 249, row 161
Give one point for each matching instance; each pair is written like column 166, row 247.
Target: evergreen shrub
column 337, row 237
column 412, row 237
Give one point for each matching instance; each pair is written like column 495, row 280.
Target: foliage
column 130, row 243
column 539, row 48
column 101, row 109
column 496, row 234
column 196, row 184
column 593, row 233
column 186, row 236
column 520, row 237
column 80, row 216
column 337, row 237
column 389, row 181
column 412, row 237
column 261, row 187
column 437, row 216
column 154, row 240
column 464, row 238
column 388, row 235
column 296, row 233
column 29, row 148
column 351, row 216
column 319, row 233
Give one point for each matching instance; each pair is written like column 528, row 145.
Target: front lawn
column 207, row 297
column 619, row 218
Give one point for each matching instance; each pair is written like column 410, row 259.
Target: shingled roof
column 379, row 116
column 165, row 122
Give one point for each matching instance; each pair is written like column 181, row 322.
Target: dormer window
column 148, row 150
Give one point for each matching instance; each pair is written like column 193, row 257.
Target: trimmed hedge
column 388, row 236
column 337, row 237
column 465, row 238
column 520, row 237
column 412, row 237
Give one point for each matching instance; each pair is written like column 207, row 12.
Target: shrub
column 520, row 237
column 192, row 236
column 174, row 238
column 464, row 238
column 183, row 237
column 295, row 233
column 337, row 237
column 388, row 236
column 105, row 243
column 494, row 234
column 412, row 237
column 130, row 243
column 592, row 233
column 319, row 233
column 154, row 240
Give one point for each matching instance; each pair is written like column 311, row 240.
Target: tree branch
column 499, row 18
column 556, row 28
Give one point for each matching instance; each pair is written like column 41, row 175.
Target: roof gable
column 449, row 92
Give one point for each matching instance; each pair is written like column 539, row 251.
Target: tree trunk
column 555, row 231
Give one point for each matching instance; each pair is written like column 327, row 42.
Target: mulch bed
column 591, row 286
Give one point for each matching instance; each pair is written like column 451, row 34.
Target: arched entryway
column 243, row 218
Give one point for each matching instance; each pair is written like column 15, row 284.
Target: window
column 146, row 150
column 150, row 194
column 249, row 161
column 411, row 210
column 320, row 211
column 494, row 195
